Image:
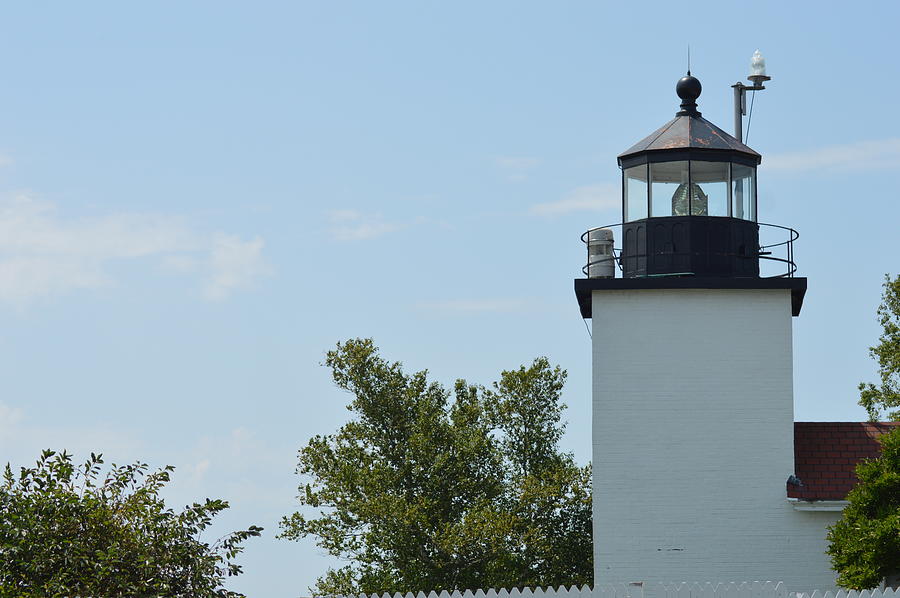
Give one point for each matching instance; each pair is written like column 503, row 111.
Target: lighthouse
column 693, row 428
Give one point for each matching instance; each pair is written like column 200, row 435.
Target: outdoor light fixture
column 757, row 77
column 758, row 68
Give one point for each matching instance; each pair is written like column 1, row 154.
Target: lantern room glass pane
column 710, row 183
column 635, row 192
column 668, row 189
column 743, row 191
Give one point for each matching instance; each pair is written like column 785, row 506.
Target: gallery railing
column 778, row 249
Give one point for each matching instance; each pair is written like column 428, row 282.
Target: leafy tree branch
column 429, row 488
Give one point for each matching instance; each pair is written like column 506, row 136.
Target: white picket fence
column 878, row 593
column 751, row 589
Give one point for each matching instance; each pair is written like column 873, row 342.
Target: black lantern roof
column 688, row 135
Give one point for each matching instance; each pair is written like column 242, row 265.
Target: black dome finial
column 688, row 89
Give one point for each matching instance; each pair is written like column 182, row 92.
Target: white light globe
column 757, row 64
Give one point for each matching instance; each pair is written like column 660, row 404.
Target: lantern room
column 689, row 199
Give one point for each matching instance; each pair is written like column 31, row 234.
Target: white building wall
column 693, row 441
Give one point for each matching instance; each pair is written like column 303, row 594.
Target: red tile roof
column 826, row 454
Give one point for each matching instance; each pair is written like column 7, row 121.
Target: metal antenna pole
column 740, row 102
column 738, row 110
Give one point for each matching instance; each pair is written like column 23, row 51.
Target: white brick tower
column 692, row 373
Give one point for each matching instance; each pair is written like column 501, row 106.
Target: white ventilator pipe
column 601, row 263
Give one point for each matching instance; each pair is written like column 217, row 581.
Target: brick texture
column 826, row 454
column 693, row 434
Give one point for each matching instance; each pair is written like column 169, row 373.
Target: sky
column 197, row 200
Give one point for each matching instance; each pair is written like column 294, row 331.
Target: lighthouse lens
column 699, row 201
column 712, row 177
column 666, row 178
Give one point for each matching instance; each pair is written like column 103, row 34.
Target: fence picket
column 655, row 590
column 697, row 589
column 732, row 590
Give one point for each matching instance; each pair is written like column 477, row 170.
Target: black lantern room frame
column 689, row 199
column 726, row 185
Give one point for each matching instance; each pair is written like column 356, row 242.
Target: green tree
column 864, row 544
column 886, row 394
column 431, row 489
column 70, row 530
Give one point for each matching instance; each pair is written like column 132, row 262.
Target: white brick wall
column 693, row 441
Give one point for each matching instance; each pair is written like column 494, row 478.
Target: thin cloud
column 10, row 417
column 589, row 198
column 344, row 215
column 516, row 167
column 234, row 264
column 226, row 463
column 23, row 437
column 517, row 162
column 477, row 306
column 879, row 154
column 43, row 254
column 194, row 473
column 352, row 225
